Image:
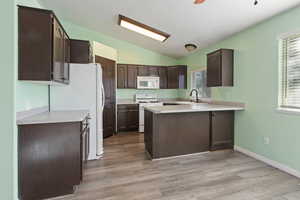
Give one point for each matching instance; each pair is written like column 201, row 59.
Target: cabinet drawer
column 128, row 107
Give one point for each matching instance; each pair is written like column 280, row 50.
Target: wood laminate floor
column 124, row 173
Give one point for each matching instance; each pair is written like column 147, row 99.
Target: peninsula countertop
column 201, row 107
column 55, row 117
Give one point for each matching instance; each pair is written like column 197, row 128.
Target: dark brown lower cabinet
column 128, row 117
column 51, row 158
column 176, row 133
column 222, row 130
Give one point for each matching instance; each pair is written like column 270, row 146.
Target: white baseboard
column 268, row 161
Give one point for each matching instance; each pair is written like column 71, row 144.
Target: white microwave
column 148, row 82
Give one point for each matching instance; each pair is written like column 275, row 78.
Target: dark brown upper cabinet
column 44, row 48
column 122, row 76
column 174, row 77
column 153, row 71
column 177, row 77
column 143, row 71
column 182, row 76
column 163, row 77
column 220, row 68
column 81, row 51
column 132, row 73
column 173, row 81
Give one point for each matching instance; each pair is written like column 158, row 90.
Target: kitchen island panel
column 176, row 134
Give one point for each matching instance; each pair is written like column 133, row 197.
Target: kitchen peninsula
column 176, row 130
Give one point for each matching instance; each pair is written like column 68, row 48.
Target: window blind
column 290, row 94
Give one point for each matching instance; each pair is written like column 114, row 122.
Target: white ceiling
column 202, row 24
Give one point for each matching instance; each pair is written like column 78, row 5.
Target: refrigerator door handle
column 103, row 97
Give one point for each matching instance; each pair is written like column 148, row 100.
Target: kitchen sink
column 184, row 102
column 193, row 104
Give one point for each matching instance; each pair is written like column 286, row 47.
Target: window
column 198, row 81
column 289, row 97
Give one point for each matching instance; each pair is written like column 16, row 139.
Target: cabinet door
column 66, row 69
column 109, row 84
column 122, row 120
column 182, row 77
column 109, row 126
column 132, row 72
column 222, row 130
column 163, row 77
column 122, row 76
column 173, row 78
column 133, row 119
column 81, row 51
column 143, row 71
column 58, row 52
column 153, row 71
column 35, row 44
column 128, row 118
column 52, row 150
column 214, row 69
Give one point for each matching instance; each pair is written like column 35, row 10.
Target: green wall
column 256, row 84
column 30, row 95
column 129, row 93
column 7, row 105
column 127, row 53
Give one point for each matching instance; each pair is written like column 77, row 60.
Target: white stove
column 145, row 100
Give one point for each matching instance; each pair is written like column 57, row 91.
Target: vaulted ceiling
column 202, row 24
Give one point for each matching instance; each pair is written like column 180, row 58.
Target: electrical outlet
column 266, row 140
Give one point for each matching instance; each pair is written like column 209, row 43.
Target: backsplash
column 130, row 93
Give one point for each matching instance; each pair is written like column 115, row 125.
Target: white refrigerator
column 85, row 92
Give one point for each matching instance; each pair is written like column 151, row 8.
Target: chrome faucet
column 197, row 94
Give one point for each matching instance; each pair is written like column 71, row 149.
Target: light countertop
column 131, row 101
column 202, row 107
column 55, row 117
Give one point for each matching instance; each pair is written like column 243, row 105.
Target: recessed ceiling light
column 142, row 29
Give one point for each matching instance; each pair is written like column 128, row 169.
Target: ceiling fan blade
column 198, row 1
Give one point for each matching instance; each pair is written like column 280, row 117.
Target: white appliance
column 85, row 92
column 148, row 82
column 145, row 100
